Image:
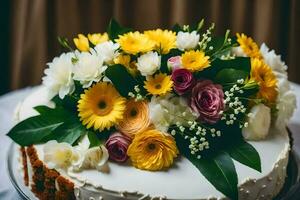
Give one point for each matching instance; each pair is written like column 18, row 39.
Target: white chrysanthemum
column 286, row 100
column 186, row 40
column 169, row 110
column 259, row 121
column 108, row 51
column 90, row 158
column 89, row 68
column 59, row 155
column 148, row 63
column 58, row 77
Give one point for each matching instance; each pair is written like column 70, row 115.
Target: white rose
column 148, row 63
column 108, row 51
column 259, row 121
column 59, row 155
column 186, row 40
column 58, row 79
column 89, row 68
column 169, row 110
column 93, row 158
column 286, row 100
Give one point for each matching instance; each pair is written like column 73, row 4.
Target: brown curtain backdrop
column 35, row 25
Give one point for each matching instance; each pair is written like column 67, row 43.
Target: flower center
column 158, row 86
column 102, row 104
column 133, row 112
column 151, row 146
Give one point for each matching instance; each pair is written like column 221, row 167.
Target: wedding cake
column 159, row 114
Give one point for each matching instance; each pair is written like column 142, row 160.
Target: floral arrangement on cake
column 144, row 98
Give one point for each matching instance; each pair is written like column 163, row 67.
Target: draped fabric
column 35, row 25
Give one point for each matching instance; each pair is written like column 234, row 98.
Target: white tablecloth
column 9, row 101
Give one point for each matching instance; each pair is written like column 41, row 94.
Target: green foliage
column 121, row 78
column 94, row 140
column 246, row 154
column 115, row 29
column 52, row 124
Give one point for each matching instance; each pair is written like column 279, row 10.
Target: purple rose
column 174, row 62
column 207, row 99
column 183, row 80
column 117, row 145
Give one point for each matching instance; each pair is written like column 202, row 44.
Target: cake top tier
column 147, row 97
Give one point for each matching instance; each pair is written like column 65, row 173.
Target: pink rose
column 174, row 62
column 183, row 80
column 117, row 145
column 207, row 99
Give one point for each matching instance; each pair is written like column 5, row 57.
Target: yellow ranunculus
column 136, row 118
column 82, row 43
column 152, row 150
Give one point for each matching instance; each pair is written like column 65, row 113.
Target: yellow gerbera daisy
column 165, row 40
column 195, row 60
column 152, row 150
column 98, row 38
column 266, row 79
column 82, row 43
column 160, row 84
column 135, row 42
column 101, row 106
column 249, row 47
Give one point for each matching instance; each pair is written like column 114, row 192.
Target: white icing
column 183, row 180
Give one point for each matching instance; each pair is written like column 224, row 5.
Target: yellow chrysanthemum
column 249, row 47
column 101, row 106
column 266, row 79
column 152, row 150
column 135, row 42
column 160, row 84
column 98, row 38
column 125, row 61
column 195, row 60
column 136, row 118
column 164, row 40
column 82, row 43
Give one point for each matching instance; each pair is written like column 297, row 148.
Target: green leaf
column 115, row 29
column 239, row 63
column 34, row 129
column 230, row 75
column 121, row 78
column 68, row 132
column 219, row 170
column 176, row 28
column 246, row 154
column 94, row 140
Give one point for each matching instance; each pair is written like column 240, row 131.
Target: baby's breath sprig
column 234, row 104
column 136, row 94
column 196, row 134
column 206, row 38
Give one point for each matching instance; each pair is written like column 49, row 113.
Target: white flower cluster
column 234, row 105
column 169, row 110
column 85, row 67
column 286, row 100
column 64, row 156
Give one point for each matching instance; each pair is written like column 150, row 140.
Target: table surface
column 9, row 101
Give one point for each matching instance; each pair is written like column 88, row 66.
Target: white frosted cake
column 163, row 114
column 125, row 182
